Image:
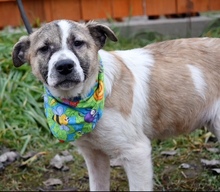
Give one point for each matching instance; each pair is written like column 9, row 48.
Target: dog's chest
column 126, row 107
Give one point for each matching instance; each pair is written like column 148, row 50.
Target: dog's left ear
column 99, row 32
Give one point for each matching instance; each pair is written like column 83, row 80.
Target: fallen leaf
column 32, row 159
column 52, row 182
column 28, row 155
column 213, row 150
column 9, row 156
column 12, row 156
column 210, row 163
column 69, row 189
column 185, row 166
column 65, row 153
column 65, row 168
column 3, row 158
column 59, row 160
column 67, row 158
column 60, row 190
column 216, row 171
column 207, row 136
column 169, row 153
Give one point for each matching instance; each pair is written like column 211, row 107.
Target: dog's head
column 64, row 55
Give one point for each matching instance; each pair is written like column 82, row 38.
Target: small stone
column 216, row 171
column 3, row 158
column 65, row 153
column 67, row 158
column 57, row 162
column 28, row 155
column 210, row 163
column 213, row 150
column 52, row 182
column 11, row 156
column 65, row 168
column 185, row 166
column 169, row 153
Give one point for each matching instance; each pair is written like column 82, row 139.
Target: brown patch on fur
column 175, row 105
column 121, row 97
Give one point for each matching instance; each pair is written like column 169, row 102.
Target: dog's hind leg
column 138, row 166
column 214, row 123
column 98, row 165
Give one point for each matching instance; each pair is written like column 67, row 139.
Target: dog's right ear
column 20, row 51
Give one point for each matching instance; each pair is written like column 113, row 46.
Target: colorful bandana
column 70, row 119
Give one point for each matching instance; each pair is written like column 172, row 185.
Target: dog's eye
column 78, row 43
column 44, row 49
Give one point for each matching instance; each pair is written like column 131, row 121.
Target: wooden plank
column 34, row 11
column 47, row 10
column 136, row 7
column 160, row 7
column 96, row 9
column 125, row 8
column 214, row 5
column 120, row 8
column 62, row 9
column 190, row 6
column 7, row 0
column 6, row 18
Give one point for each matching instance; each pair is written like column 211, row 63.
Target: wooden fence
column 47, row 10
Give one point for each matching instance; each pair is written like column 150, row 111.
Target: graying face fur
column 63, row 54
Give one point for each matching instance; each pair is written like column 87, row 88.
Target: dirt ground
column 182, row 170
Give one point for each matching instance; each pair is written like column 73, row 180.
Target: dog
column 161, row 90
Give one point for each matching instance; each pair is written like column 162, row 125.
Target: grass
column 23, row 128
column 21, row 105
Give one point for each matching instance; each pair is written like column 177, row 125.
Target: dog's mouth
column 66, row 84
column 64, row 81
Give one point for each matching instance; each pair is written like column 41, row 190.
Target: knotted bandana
column 70, row 119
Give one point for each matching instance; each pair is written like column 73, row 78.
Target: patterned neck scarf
column 70, row 119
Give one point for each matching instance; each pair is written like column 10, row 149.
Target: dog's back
column 185, row 86
column 168, row 88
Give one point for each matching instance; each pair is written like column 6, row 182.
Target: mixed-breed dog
column 112, row 104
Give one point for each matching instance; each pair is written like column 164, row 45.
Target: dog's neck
column 70, row 118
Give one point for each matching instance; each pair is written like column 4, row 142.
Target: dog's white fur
column 161, row 90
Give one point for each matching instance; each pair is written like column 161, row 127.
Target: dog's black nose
column 64, row 67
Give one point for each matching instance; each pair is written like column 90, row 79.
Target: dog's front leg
column 98, row 165
column 138, row 165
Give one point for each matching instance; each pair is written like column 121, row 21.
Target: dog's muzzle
column 64, row 74
column 65, row 67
